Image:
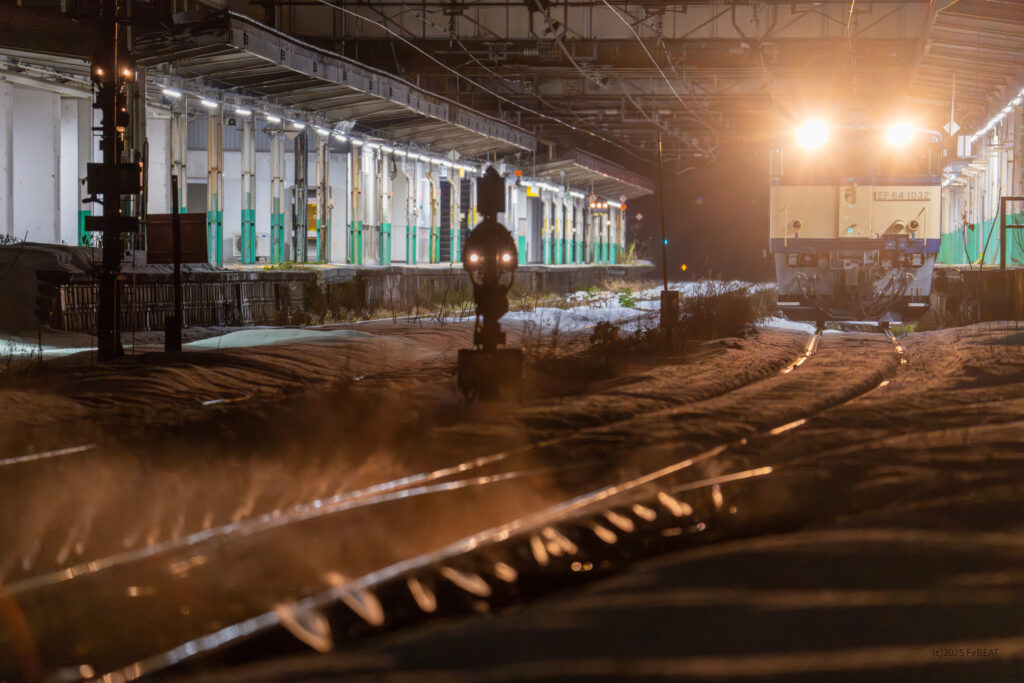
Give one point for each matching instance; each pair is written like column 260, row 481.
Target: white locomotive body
column 855, row 223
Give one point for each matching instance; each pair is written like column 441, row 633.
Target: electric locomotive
column 855, row 221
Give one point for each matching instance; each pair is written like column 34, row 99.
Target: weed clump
column 627, row 298
column 717, row 309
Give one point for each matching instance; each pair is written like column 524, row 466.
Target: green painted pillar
column 410, row 244
column 522, row 250
column 385, row 244
column 321, row 242
column 615, row 254
column 84, row 238
column 355, row 241
column 248, row 241
column 215, row 234
column 277, row 234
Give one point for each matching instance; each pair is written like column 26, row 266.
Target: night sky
column 717, row 220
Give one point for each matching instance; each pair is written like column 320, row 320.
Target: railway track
column 569, row 538
column 146, row 536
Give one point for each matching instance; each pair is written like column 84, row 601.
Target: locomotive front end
column 855, row 222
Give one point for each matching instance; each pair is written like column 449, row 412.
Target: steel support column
column 384, row 208
column 179, row 149
column 454, row 212
column 248, row 163
column 323, row 201
column 300, row 200
column 276, row 197
column 215, row 188
column 355, row 226
column 410, row 203
column 434, row 177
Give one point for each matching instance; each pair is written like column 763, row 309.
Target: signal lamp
column 812, row 134
column 899, row 134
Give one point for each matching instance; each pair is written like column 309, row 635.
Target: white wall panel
column 6, row 159
column 232, row 205
column 338, row 177
column 68, row 174
column 158, row 134
column 261, row 204
column 36, row 147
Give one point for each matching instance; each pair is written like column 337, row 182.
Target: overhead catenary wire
column 480, row 86
column 510, row 84
column 658, row 67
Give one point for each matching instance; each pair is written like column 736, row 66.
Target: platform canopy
column 604, row 178
column 234, row 54
column 972, row 55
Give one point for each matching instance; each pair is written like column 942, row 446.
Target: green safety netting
column 981, row 246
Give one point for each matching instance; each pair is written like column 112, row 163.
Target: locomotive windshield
column 858, row 157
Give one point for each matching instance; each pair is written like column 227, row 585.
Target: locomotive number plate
column 902, row 196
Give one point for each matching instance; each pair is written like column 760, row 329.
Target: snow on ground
column 22, row 348
column 264, row 336
column 580, row 311
column 587, row 308
column 572, row 319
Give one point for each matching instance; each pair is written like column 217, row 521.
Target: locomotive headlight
column 900, row 134
column 812, row 134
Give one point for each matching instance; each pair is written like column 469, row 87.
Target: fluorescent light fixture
column 298, row 125
column 322, row 132
column 357, row 143
column 208, row 103
column 168, row 92
column 372, row 145
column 446, row 164
column 340, row 138
column 385, row 148
column 400, row 153
column 242, row 111
column 1017, row 100
column 273, row 119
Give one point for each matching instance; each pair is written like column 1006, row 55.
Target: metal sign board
column 159, row 239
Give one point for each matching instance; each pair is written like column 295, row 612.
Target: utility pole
column 112, row 70
column 669, row 298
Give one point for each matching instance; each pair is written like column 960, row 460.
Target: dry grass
column 717, row 310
